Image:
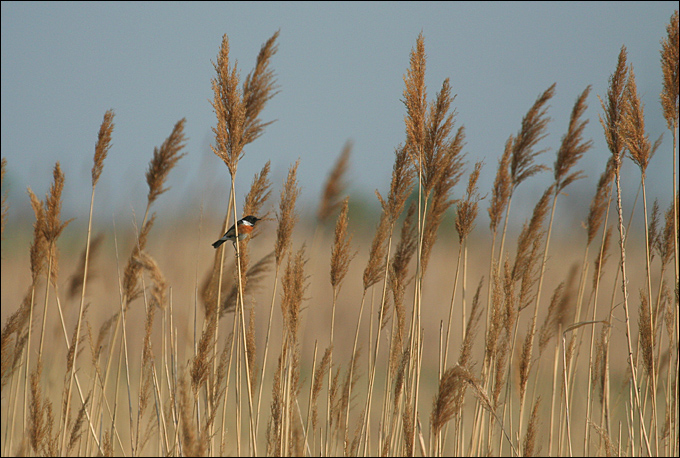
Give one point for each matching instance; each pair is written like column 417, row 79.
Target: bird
column 245, row 227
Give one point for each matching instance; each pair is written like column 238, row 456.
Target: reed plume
column 502, row 187
column 572, row 147
column 670, row 66
column 632, row 127
column 237, row 109
column 335, row 185
column 532, row 131
column 286, row 216
column 340, row 253
column 467, row 209
column 164, row 159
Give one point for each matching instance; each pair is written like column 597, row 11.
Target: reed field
column 417, row 331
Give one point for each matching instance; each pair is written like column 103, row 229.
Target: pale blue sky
column 339, row 68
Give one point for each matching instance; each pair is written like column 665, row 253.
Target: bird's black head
column 251, row 219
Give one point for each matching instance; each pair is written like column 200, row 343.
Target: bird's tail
column 218, row 243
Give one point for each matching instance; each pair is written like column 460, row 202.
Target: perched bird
column 245, row 227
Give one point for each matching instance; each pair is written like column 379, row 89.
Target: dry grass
column 134, row 357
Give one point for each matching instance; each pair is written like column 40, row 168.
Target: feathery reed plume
column 375, row 267
column 5, row 205
column 400, row 186
column 41, row 417
column 613, row 109
column 647, row 339
column 632, row 127
column 294, row 286
column 194, row 443
column 103, row 146
column 260, row 190
column 254, row 276
column 614, row 113
column 53, row 226
column 531, row 232
column 450, row 168
column 397, row 281
column 340, row 255
column 335, row 185
column 572, row 147
column 319, row 374
column 229, row 109
column 529, row 446
column 134, row 268
column 448, row 399
column 558, row 311
column 415, row 100
column 670, row 102
column 467, row 209
column 600, row 263
column 439, row 125
column 665, row 241
column 38, row 250
column 164, row 159
column 201, row 363
column 670, row 65
column 471, row 328
column 532, row 131
column 600, row 202
column 653, row 230
column 610, row 448
column 495, row 320
column 76, row 431
column 15, row 325
column 258, row 88
column 238, row 110
column 286, row 216
column 502, row 187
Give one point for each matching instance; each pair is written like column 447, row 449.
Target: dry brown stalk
column 613, row 114
column 335, row 185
